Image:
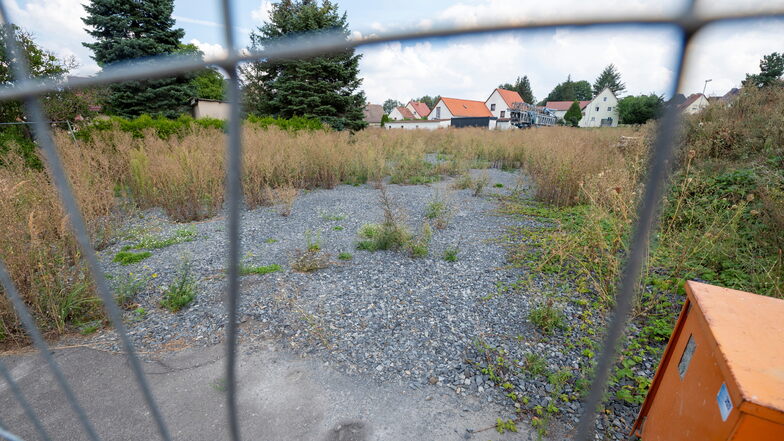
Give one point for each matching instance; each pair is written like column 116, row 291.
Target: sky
column 471, row 67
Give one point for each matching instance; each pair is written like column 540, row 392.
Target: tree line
column 132, row 31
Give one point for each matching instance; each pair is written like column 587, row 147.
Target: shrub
column 181, row 291
column 129, row 257
column 480, row 183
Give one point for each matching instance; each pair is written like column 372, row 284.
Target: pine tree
column 610, row 77
column 771, row 71
column 521, row 86
column 323, row 87
column 129, row 29
column 573, row 115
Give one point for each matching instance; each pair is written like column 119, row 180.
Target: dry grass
column 184, row 175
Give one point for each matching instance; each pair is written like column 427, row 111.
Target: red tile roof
column 420, row 107
column 458, row 107
column 564, row 105
column 510, row 96
column 406, row 113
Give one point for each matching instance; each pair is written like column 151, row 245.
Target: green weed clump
column 345, row 256
column 129, row 257
column 181, row 292
column 246, row 270
column 390, row 234
column 450, row 254
column 547, row 317
column 153, row 243
column 127, row 288
column 438, row 210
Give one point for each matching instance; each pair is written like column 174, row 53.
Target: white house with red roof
column 400, row 113
column 418, row 109
column 500, row 103
column 448, row 108
column 601, row 111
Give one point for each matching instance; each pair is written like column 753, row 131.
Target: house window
column 605, row 98
column 438, row 112
column 609, row 109
column 593, row 118
column 597, row 108
column 503, row 112
column 492, row 107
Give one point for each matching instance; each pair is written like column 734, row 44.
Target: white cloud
column 262, row 13
column 210, row 50
column 471, row 67
column 726, row 53
column 57, row 26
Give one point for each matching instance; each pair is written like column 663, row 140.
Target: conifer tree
column 323, row 87
column 573, row 115
column 125, row 30
column 610, row 77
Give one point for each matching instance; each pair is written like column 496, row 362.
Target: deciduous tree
column 390, row 104
column 570, row 91
column 639, row 109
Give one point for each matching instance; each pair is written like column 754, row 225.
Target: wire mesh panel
column 28, row 90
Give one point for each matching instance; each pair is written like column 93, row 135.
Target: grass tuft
column 129, row 257
column 181, row 292
column 246, row 270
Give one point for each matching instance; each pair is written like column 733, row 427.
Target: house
column 448, row 108
column 418, row 109
column 601, row 111
column 500, row 104
column 730, row 96
column 373, row 114
column 401, row 112
column 559, row 108
column 694, row 103
column 204, row 108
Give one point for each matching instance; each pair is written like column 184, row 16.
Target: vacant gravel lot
column 384, row 314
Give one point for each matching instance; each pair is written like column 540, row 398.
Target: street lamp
column 706, row 85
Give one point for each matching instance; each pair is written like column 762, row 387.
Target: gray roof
column 373, row 113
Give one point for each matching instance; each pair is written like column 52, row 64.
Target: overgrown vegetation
column 721, row 223
column 246, row 270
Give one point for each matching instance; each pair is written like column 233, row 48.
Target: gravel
column 381, row 314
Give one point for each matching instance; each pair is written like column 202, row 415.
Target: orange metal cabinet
column 722, row 374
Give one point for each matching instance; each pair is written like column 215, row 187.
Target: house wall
column 419, row 124
column 444, row 114
column 211, row 109
column 699, row 104
column 559, row 113
column 499, row 103
column 503, row 125
column 396, row 115
column 607, row 105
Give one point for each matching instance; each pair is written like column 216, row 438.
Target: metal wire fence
column 27, row 89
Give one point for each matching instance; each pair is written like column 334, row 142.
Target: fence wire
column 28, row 90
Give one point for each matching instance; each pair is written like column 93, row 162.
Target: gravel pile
column 384, row 314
